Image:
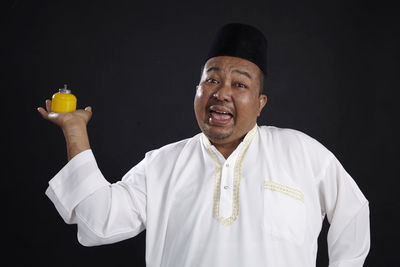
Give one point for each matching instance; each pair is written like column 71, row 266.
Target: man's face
column 228, row 99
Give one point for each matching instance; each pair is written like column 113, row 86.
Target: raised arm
column 105, row 213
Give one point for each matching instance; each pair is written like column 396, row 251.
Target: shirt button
column 227, row 165
column 226, row 187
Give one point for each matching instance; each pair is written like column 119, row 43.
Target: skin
column 228, row 84
column 73, row 126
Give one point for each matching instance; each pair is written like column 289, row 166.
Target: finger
column 48, row 105
column 89, row 108
column 43, row 112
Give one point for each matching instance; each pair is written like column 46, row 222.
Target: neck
column 227, row 149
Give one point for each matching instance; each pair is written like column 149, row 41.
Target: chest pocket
column 284, row 212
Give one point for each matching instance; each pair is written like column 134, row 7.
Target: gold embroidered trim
column 237, row 177
column 292, row 192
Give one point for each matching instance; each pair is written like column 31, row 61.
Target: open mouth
column 219, row 116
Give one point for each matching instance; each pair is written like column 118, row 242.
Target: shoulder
column 294, row 140
column 287, row 134
column 173, row 150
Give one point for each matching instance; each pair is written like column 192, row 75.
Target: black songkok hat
column 240, row 40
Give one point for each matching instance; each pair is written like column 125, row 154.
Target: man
column 234, row 195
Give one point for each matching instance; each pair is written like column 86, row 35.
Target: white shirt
column 262, row 206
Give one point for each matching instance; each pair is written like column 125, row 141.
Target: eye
column 240, row 85
column 211, row 80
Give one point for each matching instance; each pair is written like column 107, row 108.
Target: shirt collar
column 245, row 142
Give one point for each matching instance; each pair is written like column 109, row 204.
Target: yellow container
column 63, row 101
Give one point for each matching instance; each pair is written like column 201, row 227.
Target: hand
column 78, row 118
column 73, row 125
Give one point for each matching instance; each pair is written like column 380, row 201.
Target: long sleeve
column 351, row 246
column 347, row 211
column 105, row 213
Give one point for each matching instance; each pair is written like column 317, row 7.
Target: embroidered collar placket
column 227, row 178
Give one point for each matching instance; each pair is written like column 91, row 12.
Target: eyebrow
column 213, row 69
column 245, row 73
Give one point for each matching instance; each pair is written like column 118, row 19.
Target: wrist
column 76, row 134
column 75, row 129
column 76, row 139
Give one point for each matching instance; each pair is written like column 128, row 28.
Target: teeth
column 221, row 112
column 212, row 109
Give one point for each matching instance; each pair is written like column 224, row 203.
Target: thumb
column 89, row 108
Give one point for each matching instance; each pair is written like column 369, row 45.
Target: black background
column 332, row 73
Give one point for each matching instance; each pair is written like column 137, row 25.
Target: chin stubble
column 213, row 136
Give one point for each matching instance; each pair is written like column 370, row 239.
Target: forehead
column 228, row 64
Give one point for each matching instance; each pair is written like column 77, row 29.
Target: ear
column 262, row 101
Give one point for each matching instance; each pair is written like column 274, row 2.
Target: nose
column 223, row 93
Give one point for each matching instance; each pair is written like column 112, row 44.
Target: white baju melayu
column 262, row 206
